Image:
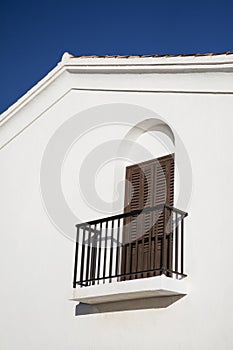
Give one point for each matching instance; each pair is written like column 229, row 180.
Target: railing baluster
column 93, row 256
column 82, row 256
column 136, row 247
column 118, row 248
column 149, row 244
column 111, row 252
column 164, row 241
column 76, row 258
column 129, row 257
column 143, row 240
column 182, row 246
column 156, row 242
column 124, row 249
column 88, row 254
column 105, row 250
column 169, row 241
column 99, row 255
column 176, row 244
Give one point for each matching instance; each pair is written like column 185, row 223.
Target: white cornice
column 123, row 65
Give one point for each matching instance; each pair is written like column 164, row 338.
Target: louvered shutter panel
column 164, row 194
column 148, row 184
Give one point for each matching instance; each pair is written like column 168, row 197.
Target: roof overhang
column 124, row 65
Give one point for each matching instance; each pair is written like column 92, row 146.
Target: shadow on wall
column 127, row 305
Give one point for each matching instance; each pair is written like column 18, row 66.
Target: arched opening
column 149, row 186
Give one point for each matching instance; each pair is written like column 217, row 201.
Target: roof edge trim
column 141, row 63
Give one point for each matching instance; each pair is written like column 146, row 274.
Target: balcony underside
column 146, row 293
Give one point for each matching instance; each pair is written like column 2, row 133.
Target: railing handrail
column 132, row 213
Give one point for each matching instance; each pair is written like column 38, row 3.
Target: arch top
column 151, row 124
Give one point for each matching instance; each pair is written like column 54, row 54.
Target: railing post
column 76, row 258
column 182, row 246
column 164, row 241
column 176, row 244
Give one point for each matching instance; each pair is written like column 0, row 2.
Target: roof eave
column 125, row 64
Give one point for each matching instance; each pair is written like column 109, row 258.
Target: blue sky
column 34, row 34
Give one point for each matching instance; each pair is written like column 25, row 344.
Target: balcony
column 130, row 258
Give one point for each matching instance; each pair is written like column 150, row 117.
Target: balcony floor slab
column 132, row 294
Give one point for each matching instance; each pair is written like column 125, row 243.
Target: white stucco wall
column 36, row 260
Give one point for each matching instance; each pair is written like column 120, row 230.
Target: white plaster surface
column 36, row 260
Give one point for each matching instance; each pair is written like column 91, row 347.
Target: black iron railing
column 142, row 243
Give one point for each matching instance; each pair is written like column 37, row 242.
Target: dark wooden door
column 147, row 184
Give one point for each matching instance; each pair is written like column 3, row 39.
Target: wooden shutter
column 148, row 184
